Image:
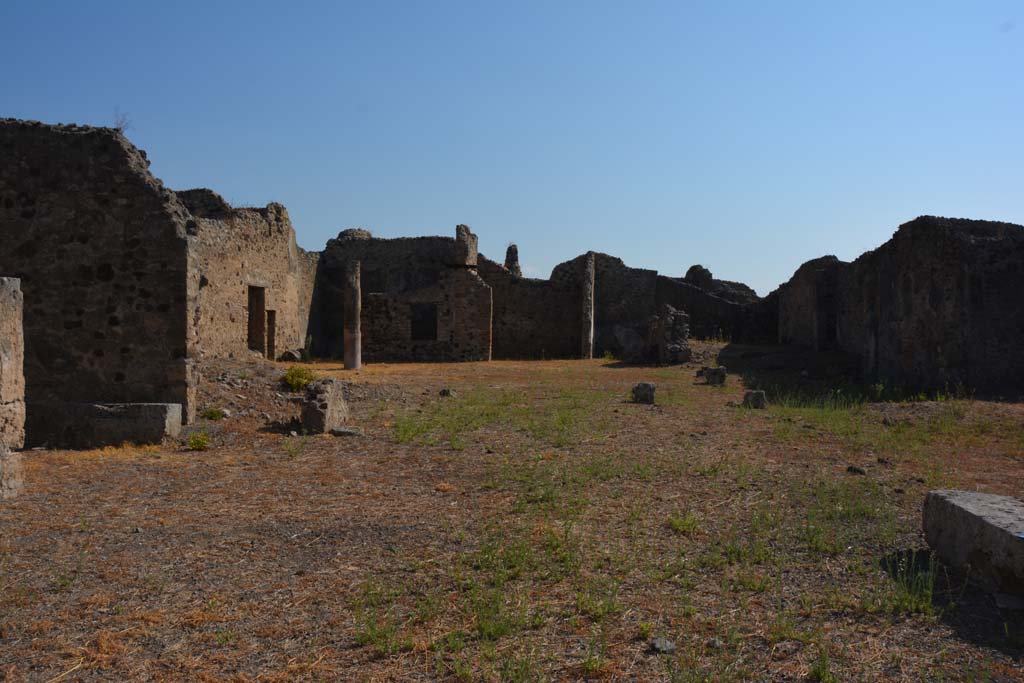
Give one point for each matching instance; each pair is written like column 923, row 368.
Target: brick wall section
column 12, row 358
column 396, row 275
column 239, row 248
column 532, row 318
column 101, row 248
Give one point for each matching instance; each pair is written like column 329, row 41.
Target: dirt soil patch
column 531, row 525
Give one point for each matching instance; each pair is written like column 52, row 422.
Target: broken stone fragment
column 715, row 376
column 755, row 399
column 643, row 393
column 663, row 646
column 978, row 533
column 324, row 407
column 290, row 356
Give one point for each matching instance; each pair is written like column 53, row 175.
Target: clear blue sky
column 746, row 136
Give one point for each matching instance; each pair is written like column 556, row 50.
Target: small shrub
column 298, row 378
column 684, row 523
column 821, row 669
column 199, row 440
column 213, row 414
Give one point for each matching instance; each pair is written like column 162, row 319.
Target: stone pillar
column 512, row 260
column 587, row 350
column 12, row 361
column 353, row 311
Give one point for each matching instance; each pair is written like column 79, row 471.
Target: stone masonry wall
column 100, row 246
column 939, row 305
column 630, row 297
column 241, row 248
column 12, row 358
column 430, row 279
column 532, row 318
column 808, row 304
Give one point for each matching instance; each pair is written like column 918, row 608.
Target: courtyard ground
column 535, row 526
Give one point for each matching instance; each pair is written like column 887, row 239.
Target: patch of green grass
column 595, row 659
column 521, row 669
column 598, row 598
column 563, row 420
column 821, row 668
column 683, row 523
column 492, row 617
column 213, row 414
column 913, row 585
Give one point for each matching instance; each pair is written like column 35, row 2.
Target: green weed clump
column 213, row 414
column 199, row 440
column 298, row 378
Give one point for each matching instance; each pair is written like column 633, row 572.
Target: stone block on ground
column 982, row 533
column 93, row 425
column 755, row 399
column 11, row 477
column 715, row 376
column 324, row 407
column 643, row 393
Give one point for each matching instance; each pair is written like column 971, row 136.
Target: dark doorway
column 424, row 321
column 258, row 319
column 271, row 335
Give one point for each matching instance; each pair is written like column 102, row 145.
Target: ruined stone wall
column 711, row 317
column 532, row 318
column 736, row 292
column 938, row 305
column 101, row 248
column 237, row 249
column 808, row 304
column 629, row 297
column 12, row 358
column 624, row 298
column 422, row 298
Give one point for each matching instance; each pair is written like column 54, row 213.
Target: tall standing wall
column 239, row 250
column 101, row 248
column 937, row 306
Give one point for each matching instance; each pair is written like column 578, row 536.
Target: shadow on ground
column 968, row 609
column 789, row 371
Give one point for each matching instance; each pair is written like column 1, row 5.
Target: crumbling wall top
column 204, row 203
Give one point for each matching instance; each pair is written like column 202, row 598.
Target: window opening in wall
column 423, row 318
column 257, row 309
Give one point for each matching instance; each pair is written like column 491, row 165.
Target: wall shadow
column 969, row 610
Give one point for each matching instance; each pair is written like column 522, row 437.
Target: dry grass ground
column 534, row 527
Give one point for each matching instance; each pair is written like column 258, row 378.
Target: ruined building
column 125, row 285
column 939, row 305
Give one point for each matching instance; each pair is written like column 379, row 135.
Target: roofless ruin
column 117, row 285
